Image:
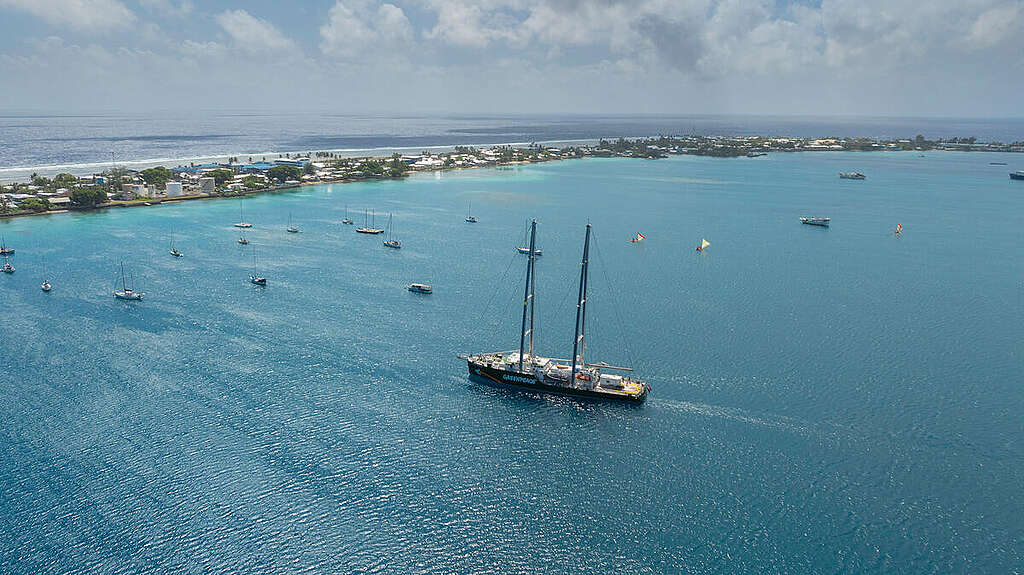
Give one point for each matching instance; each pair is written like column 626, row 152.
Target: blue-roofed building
column 253, row 168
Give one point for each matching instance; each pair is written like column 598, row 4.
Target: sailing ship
column 370, row 229
column 815, row 221
column 45, row 286
column 638, row 238
column 242, row 240
column 420, row 288
column 391, row 242
column 254, row 277
column 128, row 293
column 703, row 244
column 852, row 176
column 471, row 218
column 7, row 268
column 241, row 219
column 573, row 376
column 4, row 250
column 525, row 248
column 291, row 229
column 346, row 221
column 174, row 250
column 898, row 230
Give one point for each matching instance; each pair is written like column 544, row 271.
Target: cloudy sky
column 828, row 57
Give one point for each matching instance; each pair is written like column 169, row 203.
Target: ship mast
column 528, row 293
column 578, row 345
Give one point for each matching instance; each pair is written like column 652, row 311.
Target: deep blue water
column 84, row 144
column 825, row 400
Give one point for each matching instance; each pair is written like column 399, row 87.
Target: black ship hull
column 1013, row 176
column 504, row 378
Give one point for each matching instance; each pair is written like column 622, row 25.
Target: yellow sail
column 704, row 243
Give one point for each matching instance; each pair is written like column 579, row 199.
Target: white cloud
column 253, row 34
column 169, row 8
column 84, row 15
column 355, row 28
column 995, row 25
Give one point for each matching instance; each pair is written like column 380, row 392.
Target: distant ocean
column 81, row 144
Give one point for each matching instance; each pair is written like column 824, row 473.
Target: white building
column 173, row 189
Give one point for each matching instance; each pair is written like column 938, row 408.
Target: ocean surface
column 85, row 144
column 833, row 400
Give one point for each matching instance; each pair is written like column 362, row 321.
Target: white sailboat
column 45, row 286
column 471, row 218
column 346, row 221
column 525, row 249
column 128, row 293
column 241, row 219
column 372, row 228
column 391, row 242
column 254, row 277
column 291, row 229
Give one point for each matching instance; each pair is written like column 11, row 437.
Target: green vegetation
column 281, row 174
column 396, row 167
column 372, row 168
column 89, row 197
column 64, row 180
column 35, row 205
column 158, row 176
column 220, row 177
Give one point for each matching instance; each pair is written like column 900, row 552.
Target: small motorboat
column 257, row 280
column 420, row 288
column 852, row 176
column 394, row 244
column 815, row 221
column 1018, row 175
column 243, row 225
column 46, row 286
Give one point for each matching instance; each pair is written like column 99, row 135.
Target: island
column 122, row 187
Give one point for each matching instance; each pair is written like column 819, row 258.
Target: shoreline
column 122, row 188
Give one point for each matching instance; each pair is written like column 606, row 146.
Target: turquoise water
column 825, row 400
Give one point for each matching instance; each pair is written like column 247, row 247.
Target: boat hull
column 505, row 378
column 1017, row 176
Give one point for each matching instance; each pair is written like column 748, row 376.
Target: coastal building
column 207, row 185
column 173, row 189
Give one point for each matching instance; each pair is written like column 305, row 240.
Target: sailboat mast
column 533, row 285
column 581, row 309
column 124, row 285
column 528, row 299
